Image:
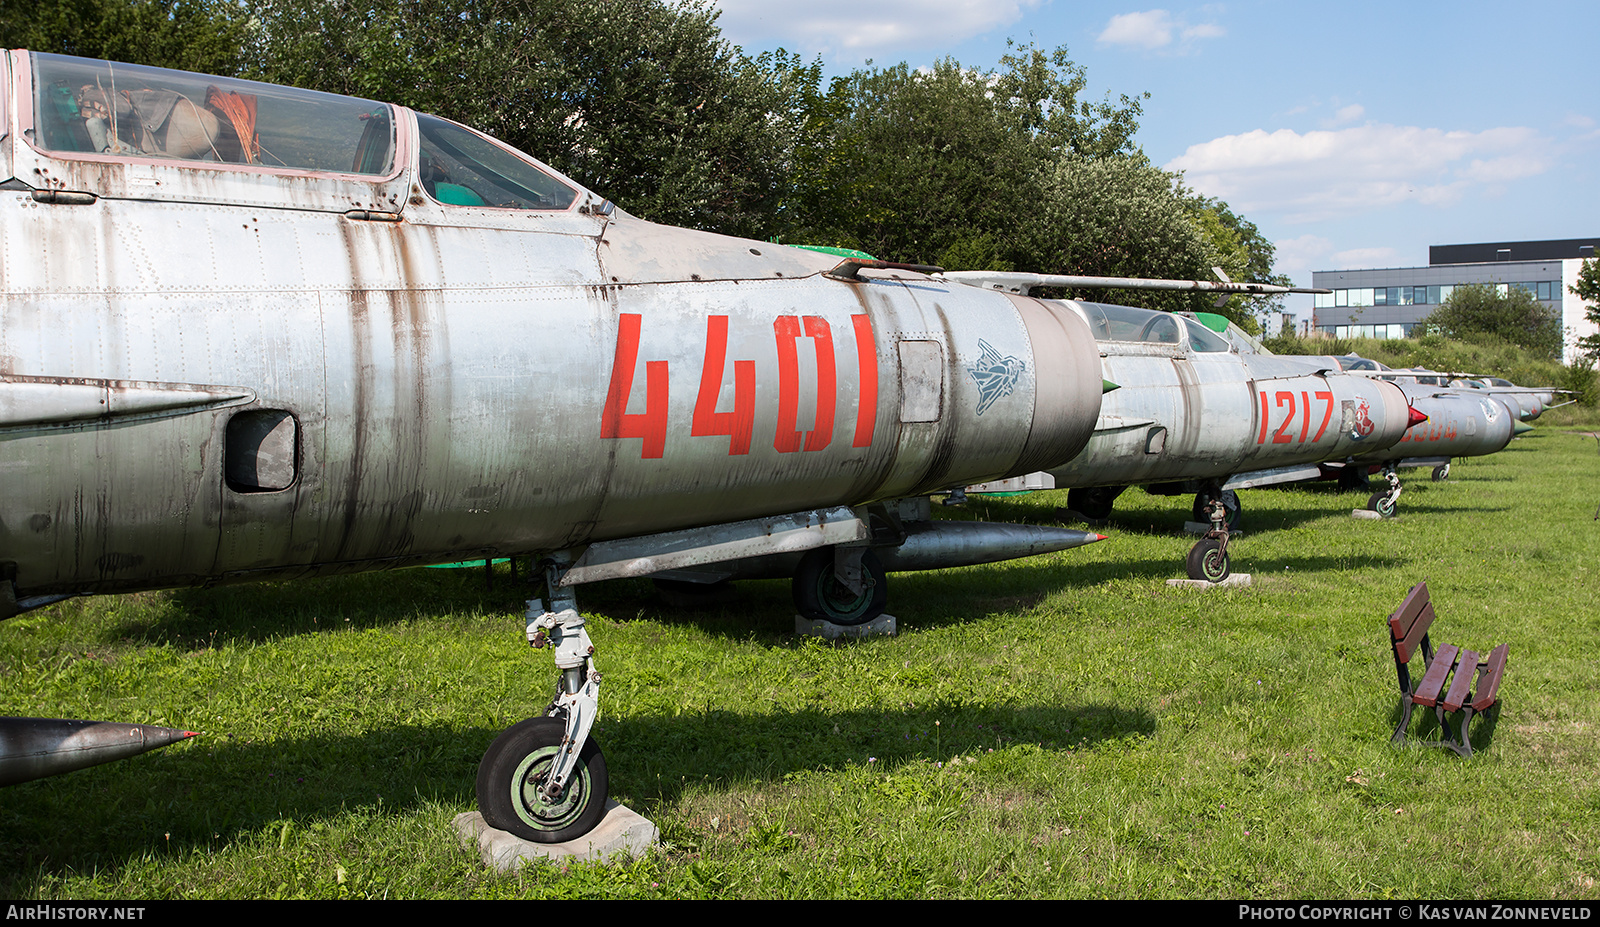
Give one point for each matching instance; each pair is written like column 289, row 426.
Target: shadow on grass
column 1140, row 519
column 1425, row 730
column 214, row 792
column 252, row 614
column 257, row 612
column 763, row 610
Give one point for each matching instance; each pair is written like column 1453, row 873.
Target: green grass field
column 1064, row 726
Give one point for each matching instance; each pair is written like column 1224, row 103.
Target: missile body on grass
column 926, row 545
column 32, row 748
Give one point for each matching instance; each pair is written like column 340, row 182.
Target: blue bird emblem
column 996, row 376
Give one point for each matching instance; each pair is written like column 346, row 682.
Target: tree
column 640, row 100
column 975, row 169
column 1246, row 256
column 1123, row 217
column 1480, row 311
column 945, row 165
column 1588, row 289
column 190, row 35
column 911, row 166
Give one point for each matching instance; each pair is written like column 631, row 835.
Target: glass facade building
column 1388, row 302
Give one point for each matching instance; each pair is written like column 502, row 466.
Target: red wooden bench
column 1462, row 670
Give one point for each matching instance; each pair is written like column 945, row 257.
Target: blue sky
column 1354, row 135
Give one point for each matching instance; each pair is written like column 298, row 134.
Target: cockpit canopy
column 100, row 111
column 133, row 111
column 1352, row 362
column 1128, row 324
column 460, row 167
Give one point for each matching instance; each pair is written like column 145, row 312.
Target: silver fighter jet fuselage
column 339, row 335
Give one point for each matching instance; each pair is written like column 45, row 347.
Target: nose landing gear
column 544, row 779
column 1208, row 558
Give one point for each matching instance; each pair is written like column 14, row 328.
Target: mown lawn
column 1064, row 726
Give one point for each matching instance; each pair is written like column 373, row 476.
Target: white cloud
column 1301, row 255
column 1151, row 29
column 850, row 31
column 1584, row 124
column 1155, row 29
column 1347, row 114
column 1326, row 174
column 1203, row 31
column 1366, row 257
column 1298, row 256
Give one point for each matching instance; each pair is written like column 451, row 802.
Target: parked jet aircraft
column 1193, row 410
column 252, row 332
column 1527, row 402
column 1447, row 423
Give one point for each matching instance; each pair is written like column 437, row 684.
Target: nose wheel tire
column 1381, row 503
column 820, row 596
column 511, row 784
column 1208, row 561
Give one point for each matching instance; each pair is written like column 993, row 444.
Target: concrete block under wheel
column 1368, row 514
column 1236, row 579
column 881, row 626
column 621, row 834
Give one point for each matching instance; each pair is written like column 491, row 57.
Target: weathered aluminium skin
column 1456, row 423
column 1184, row 414
column 1462, row 420
column 217, row 372
column 1459, row 425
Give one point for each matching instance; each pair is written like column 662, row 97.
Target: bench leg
column 1405, row 719
column 1464, row 746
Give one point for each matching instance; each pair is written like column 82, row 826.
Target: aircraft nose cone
column 1415, row 418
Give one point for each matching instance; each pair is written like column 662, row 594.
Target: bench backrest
column 1408, row 626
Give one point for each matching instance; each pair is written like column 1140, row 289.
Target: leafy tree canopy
column 1123, row 217
column 946, row 165
column 640, row 100
column 644, row 102
column 1009, row 169
column 1246, row 256
column 1481, row 311
column 190, row 35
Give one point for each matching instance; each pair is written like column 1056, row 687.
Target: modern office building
column 1387, row 302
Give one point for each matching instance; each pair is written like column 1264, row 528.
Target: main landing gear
column 843, row 585
column 544, row 779
column 1094, row 502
